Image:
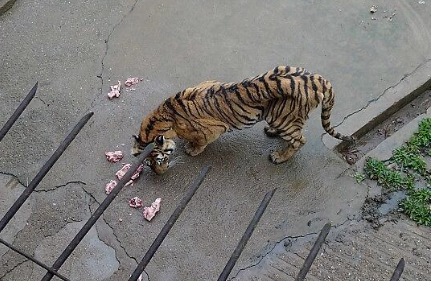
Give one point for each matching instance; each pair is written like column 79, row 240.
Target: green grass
column 423, row 137
column 359, row 177
column 418, row 206
column 409, row 158
column 391, row 180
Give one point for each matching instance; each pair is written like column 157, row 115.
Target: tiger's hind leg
column 272, row 132
column 295, row 141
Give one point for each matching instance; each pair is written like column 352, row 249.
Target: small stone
column 373, row 9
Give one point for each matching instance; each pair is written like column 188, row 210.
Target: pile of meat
column 116, row 89
column 135, row 202
column 149, row 212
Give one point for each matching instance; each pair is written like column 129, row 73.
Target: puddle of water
column 392, row 203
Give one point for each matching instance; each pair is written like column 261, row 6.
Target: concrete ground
column 77, row 49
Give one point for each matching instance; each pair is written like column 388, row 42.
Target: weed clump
column 410, row 161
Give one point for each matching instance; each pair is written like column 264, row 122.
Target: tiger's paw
column 271, row 132
column 280, row 156
column 194, row 150
column 275, row 158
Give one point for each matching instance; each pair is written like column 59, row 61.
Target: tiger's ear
column 160, row 140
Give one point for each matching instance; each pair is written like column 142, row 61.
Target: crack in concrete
column 119, row 242
column 100, row 76
column 13, row 268
column 384, row 92
column 271, row 250
column 89, row 194
column 14, row 176
column 60, row 186
column 122, row 247
column 44, row 102
column 97, row 202
column 114, row 235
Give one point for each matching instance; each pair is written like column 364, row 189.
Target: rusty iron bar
column 17, row 113
column 398, row 270
column 93, row 219
column 247, row 234
column 45, row 169
column 313, row 253
column 13, row 248
column 169, row 224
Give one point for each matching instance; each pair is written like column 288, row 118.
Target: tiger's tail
column 327, row 104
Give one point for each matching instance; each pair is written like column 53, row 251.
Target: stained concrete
column 78, row 49
column 353, row 251
column 10, row 191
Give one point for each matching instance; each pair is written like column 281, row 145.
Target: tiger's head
column 158, row 160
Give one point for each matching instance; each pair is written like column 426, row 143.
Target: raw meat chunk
column 114, row 156
column 136, row 202
column 110, row 186
column 150, row 212
column 131, row 81
column 115, row 91
column 120, row 174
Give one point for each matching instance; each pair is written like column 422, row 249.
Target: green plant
column 409, row 157
column 391, row 180
column 418, row 206
column 423, row 137
column 359, row 177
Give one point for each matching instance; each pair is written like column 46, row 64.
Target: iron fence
column 53, row 271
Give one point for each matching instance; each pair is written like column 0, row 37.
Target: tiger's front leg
column 194, row 149
column 210, row 130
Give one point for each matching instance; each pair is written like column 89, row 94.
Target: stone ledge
column 392, row 99
column 5, row 5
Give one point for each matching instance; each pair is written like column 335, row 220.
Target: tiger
column 283, row 97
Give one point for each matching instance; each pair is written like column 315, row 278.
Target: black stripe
column 174, row 111
column 258, row 93
column 265, row 84
column 223, row 115
column 249, row 94
column 292, row 86
column 281, row 108
column 288, row 132
column 314, row 86
column 193, row 94
column 234, row 113
column 197, row 107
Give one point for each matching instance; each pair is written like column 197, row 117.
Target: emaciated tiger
column 283, row 97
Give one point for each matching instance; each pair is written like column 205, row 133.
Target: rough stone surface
column 92, row 259
column 392, row 99
column 353, row 252
column 384, row 150
column 10, row 190
column 6, row 5
column 77, row 55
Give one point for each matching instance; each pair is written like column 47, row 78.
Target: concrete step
column 354, row 252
